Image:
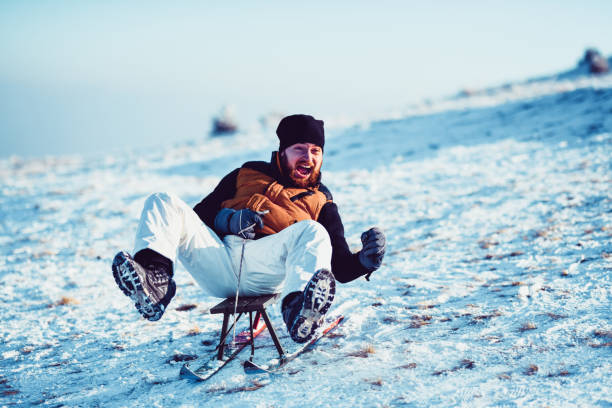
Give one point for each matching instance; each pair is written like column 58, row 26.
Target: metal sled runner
column 245, row 304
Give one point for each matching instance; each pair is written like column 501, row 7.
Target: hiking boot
column 303, row 312
column 151, row 288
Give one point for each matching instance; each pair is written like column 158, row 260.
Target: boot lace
column 157, row 276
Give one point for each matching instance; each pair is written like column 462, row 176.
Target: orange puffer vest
column 287, row 205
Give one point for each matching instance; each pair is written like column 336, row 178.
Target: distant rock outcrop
column 594, row 61
column 224, row 123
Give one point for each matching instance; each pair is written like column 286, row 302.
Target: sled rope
column 239, row 276
column 238, row 292
column 240, row 233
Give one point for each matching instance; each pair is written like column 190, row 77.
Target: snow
column 495, row 290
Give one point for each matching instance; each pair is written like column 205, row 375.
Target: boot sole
column 318, row 297
column 129, row 282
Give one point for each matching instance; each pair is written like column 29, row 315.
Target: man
column 266, row 228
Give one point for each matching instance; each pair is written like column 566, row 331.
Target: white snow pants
column 278, row 263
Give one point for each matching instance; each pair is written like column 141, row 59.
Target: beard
column 311, row 181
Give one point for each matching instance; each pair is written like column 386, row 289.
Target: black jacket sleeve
column 208, row 208
column 345, row 265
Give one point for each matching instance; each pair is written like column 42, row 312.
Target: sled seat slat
column 245, row 304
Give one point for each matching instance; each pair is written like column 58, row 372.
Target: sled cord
column 241, row 233
column 237, row 292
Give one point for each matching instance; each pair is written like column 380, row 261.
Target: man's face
column 302, row 162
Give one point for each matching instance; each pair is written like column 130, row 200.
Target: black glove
column 373, row 251
column 238, row 222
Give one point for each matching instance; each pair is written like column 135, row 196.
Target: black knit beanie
column 300, row 129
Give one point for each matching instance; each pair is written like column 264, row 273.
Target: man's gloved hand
column 373, row 251
column 238, row 222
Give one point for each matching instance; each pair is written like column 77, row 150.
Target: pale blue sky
column 91, row 76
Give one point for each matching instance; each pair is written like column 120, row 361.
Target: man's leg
column 168, row 225
column 283, row 262
column 296, row 262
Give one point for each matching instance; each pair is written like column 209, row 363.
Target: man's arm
column 345, row 265
column 208, row 208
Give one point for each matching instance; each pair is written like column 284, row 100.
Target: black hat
column 300, row 129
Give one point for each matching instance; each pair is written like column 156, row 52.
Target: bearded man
column 268, row 227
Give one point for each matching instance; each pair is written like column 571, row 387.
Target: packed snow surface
column 495, row 290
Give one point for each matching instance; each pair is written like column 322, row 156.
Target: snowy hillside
column 496, row 289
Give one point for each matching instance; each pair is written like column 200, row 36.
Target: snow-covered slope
column 495, row 289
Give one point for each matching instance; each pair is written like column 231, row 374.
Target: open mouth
column 303, row 171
